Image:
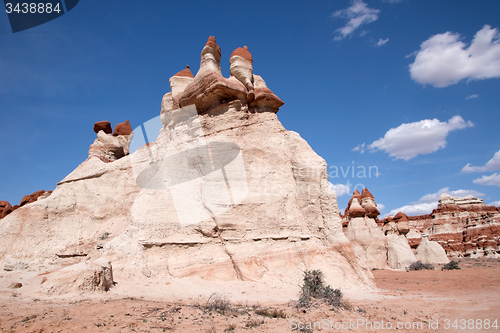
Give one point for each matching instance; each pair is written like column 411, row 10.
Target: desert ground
column 423, row 301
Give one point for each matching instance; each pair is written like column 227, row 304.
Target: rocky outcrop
column 210, row 89
column 111, row 146
column 374, row 247
column 464, row 227
column 5, row 209
column 430, row 252
column 221, row 191
column 30, row 198
column 81, row 278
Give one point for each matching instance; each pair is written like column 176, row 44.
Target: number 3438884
column 32, row 8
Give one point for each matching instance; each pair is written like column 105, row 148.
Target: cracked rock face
column 224, row 193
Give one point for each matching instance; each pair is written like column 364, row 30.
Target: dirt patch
column 415, row 299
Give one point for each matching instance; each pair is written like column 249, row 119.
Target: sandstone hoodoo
column 220, row 191
column 373, row 247
column 463, row 226
column 111, row 145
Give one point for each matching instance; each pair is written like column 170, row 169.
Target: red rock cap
column 242, row 52
column 211, row 42
column 123, row 129
column 366, row 194
column 31, row 197
column 103, row 126
column 185, row 72
column 401, row 217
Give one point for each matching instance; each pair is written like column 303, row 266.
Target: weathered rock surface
column 84, row 277
column 224, row 193
column 430, row 252
column 464, row 227
column 111, row 147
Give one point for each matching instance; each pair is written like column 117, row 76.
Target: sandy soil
column 424, row 301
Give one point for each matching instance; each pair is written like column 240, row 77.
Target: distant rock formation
column 464, row 227
column 373, row 247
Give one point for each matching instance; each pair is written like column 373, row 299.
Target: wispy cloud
column 472, row 96
column 360, row 148
column 444, row 59
column 492, row 180
column 422, row 137
column 494, row 203
column 492, row 165
column 357, row 14
column 382, row 42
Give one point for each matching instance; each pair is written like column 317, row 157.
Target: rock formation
column 430, row 252
column 103, row 126
column 224, row 193
column 31, row 197
column 111, row 146
column 464, row 227
column 124, row 129
column 373, row 247
column 5, row 209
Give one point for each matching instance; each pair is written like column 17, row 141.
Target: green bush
column 419, row 266
column 314, row 289
column 450, row 266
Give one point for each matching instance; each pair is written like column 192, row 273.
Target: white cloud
column 428, row 202
column 494, row 203
column 382, row 42
column 339, row 189
column 360, row 148
column 358, row 14
column 493, row 180
column 415, row 209
column 444, row 60
column 380, row 207
column 491, row 165
column 422, row 137
column 472, row 96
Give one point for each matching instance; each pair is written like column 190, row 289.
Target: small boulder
column 5, row 209
column 123, row 129
column 27, row 199
column 103, row 126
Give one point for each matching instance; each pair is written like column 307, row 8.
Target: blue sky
column 409, row 88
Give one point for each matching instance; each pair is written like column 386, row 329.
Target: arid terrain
column 408, row 298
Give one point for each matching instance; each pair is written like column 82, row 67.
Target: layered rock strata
column 463, row 226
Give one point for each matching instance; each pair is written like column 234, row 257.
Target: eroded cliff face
column 224, row 193
column 464, row 227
